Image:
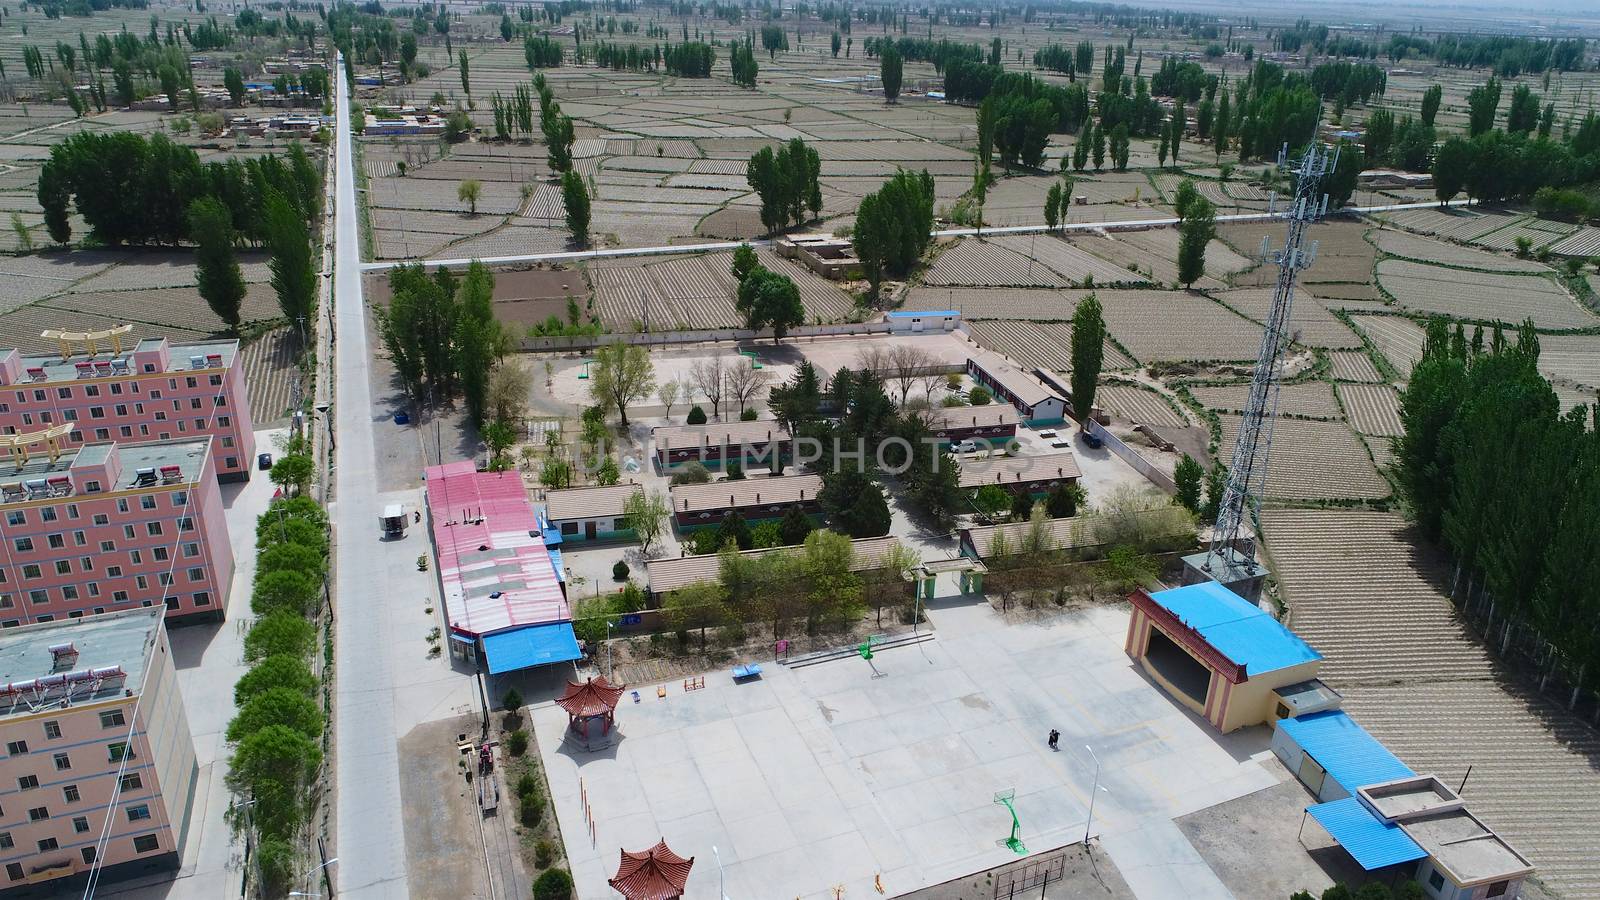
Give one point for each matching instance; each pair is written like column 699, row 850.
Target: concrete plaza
column 824, row 776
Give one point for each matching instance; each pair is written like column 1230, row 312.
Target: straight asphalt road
column 371, row 829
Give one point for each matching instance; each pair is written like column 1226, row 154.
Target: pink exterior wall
column 160, row 777
column 199, row 558
column 130, row 403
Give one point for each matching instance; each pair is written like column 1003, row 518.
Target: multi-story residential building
column 108, row 526
column 93, row 727
column 157, row 392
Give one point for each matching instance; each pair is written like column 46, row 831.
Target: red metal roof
column 654, row 874
column 489, row 541
column 591, row 698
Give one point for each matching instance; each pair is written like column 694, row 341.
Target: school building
column 757, row 445
column 591, row 513
column 1034, row 475
column 996, row 424
column 755, row 499
column 1034, row 402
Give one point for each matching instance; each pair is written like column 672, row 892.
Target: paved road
column 371, row 830
column 611, row 252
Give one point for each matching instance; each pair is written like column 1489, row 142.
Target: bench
column 741, row 673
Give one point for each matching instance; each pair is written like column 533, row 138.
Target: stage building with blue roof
column 1223, row 657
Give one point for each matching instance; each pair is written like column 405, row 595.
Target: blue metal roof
column 1242, row 631
column 922, row 313
column 1371, row 841
column 1352, row 757
column 529, row 646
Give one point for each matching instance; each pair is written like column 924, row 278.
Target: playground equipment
column 1005, row 798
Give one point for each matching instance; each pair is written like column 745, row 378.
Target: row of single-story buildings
column 1234, row 664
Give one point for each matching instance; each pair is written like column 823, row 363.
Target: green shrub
column 279, row 634
column 517, row 742
column 619, row 572
column 527, row 786
column 275, row 671
column 512, row 701
column 697, row 416
column 530, row 810
column 544, row 853
column 553, row 884
column 979, row 396
column 691, row 473
column 749, row 415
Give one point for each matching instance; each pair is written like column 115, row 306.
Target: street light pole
column 609, row 670
column 721, row 876
column 1092, row 791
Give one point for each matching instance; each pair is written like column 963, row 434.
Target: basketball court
column 811, row 778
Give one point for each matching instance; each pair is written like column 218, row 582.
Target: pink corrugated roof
column 472, row 510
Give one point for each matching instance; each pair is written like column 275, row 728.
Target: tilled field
column 1574, row 358
column 974, row 263
column 1067, row 259
column 1452, row 222
column 1482, row 295
column 1583, row 242
column 1002, row 303
column 1353, row 366
column 1374, row 604
column 1373, row 409
column 1310, row 323
column 1398, row 339
column 1310, row 399
column 1176, row 325
column 1539, row 233
column 1342, row 254
column 1416, row 247
column 1313, row 461
column 1138, row 405
column 1041, row 345
column 1133, row 249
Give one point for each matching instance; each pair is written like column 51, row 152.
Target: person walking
column 1055, row 737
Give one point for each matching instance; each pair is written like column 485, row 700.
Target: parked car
column 264, row 461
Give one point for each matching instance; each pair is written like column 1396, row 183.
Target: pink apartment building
column 93, row 726
column 104, row 526
column 156, row 392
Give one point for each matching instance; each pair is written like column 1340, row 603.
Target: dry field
column 692, row 292
column 1538, row 232
column 1398, row 339
column 1460, row 223
column 1375, row 605
column 1482, row 296
column 1421, row 249
column 1313, row 461
column 1003, row 303
column 1353, row 366
column 1138, row 404
column 1171, row 326
column 1343, row 256
column 1309, row 321
column 1584, row 242
column 1308, row 399
column 975, row 263
column 1040, row 345
column 1373, row 409
column 1146, row 252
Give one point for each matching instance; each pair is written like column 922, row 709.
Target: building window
column 144, row 843
column 132, row 782
column 70, row 793
column 118, row 751
column 14, row 871
column 1436, row 880
column 172, row 604
column 1498, row 889
column 154, row 528
column 47, row 845
column 180, row 498
column 5, row 840
column 23, row 544
column 80, row 824
column 128, row 533
column 16, row 517
column 159, row 554
column 108, row 546
column 135, row 557
column 119, row 596
column 202, row 598
column 63, row 762
column 27, row 782
column 39, row 597
column 38, row 814
column 139, row 813
column 191, row 549
column 102, row 519
column 112, row 718
column 88, row 854
column 16, row 748
column 31, row 570
column 52, row 729
column 227, row 442
column 231, row 462
column 197, row 574
column 56, row 541
column 47, row 513
column 148, row 501
column 63, row 567
column 69, row 592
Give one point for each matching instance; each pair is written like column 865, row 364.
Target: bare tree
column 875, row 359
column 711, row 379
column 745, row 381
column 667, row 393
column 907, row 363
column 930, row 380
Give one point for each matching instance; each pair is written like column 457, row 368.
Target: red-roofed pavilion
column 654, row 874
column 593, row 699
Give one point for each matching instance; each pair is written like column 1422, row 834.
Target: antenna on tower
column 1230, row 558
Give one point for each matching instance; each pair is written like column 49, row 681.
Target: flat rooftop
column 680, row 437
column 108, row 655
column 1004, row 470
column 1466, row 848
column 188, row 454
column 588, row 502
column 996, row 415
column 57, row 369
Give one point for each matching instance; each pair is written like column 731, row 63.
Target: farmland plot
column 1162, row 243
column 20, row 328
column 1342, row 254
column 1313, row 461
column 1583, row 242
column 824, row 299
column 1482, row 296
column 1309, row 321
column 1410, row 246
column 1137, row 404
column 137, row 271
column 1175, row 325
column 1373, row 409
column 1573, row 358
column 1125, row 250
column 1313, row 399
column 977, row 303
column 1353, row 366
column 1398, row 339
column 1066, row 259
column 1538, row 233
column 1040, row 345
column 971, row 262
column 1452, row 222
column 176, row 307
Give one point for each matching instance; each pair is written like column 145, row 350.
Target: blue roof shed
column 1237, row 628
column 1351, row 756
column 1373, row 842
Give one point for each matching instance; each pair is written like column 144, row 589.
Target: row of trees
column 441, row 334
column 1494, row 471
column 276, row 733
column 1496, row 165
column 894, row 225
